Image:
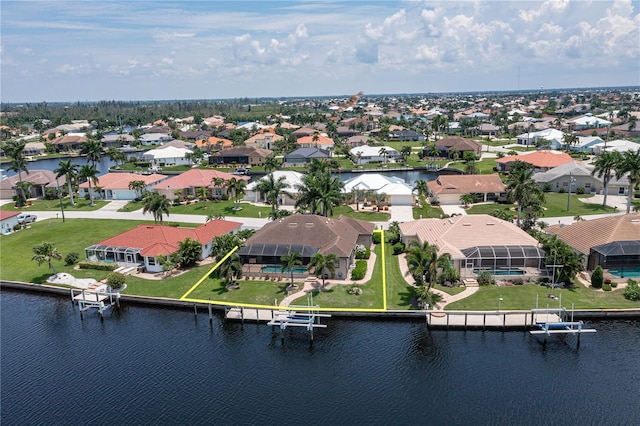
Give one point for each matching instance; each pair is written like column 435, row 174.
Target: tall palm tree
column 422, row 262
column 521, row 187
column 90, row 173
column 70, row 172
column 271, row 163
column 319, row 263
column 137, row 186
column 421, row 187
column 605, row 167
column 630, row 165
column 236, row 188
column 157, row 204
column 230, row 270
column 217, row 183
column 93, row 150
column 319, row 193
column 290, row 261
column 405, row 151
column 46, row 252
column 15, row 151
column 383, row 153
column 272, row 188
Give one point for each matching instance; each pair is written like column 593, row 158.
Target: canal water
column 147, row 365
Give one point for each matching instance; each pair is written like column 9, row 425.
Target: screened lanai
column 270, row 254
column 503, row 260
column 617, row 254
column 103, row 253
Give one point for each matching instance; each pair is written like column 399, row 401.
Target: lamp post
column 60, row 199
column 571, row 182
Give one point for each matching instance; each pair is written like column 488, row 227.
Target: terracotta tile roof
column 540, row 159
column 214, row 142
column 6, row 215
column 121, row 180
column 195, row 178
column 590, row 233
column 153, row 240
column 466, row 184
column 454, row 234
column 243, row 150
column 308, row 140
column 459, row 143
column 330, row 235
column 36, row 177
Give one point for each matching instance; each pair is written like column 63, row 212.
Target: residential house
column 589, row 121
column 580, row 177
column 169, row 156
column 612, row 242
column 150, row 139
column 540, row 160
column 213, row 143
column 39, row 180
column 397, row 191
column 115, row 186
column 487, row 130
column 307, row 234
column 366, row 154
column 69, row 142
column 620, row 145
column 304, row 131
column 117, row 140
column 406, row 136
column 302, row 156
column 553, row 137
column 240, row 155
column 478, row 243
column 264, row 140
column 315, row 141
column 188, row 183
column 143, row 244
column 33, row 149
column 458, row 144
column 357, row 141
column 8, row 221
column 447, row 189
column 292, row 181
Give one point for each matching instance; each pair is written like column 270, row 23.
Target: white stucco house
column 292, row 180
column 149, row 139
column 169, row 156
column 398, row 192
column 366, row 154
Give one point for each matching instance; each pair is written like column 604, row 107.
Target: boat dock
column 98, row 298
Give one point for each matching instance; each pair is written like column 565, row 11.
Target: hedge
column 359, row 271
column 99, row 266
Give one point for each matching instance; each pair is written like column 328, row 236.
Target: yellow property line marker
column 297, row 308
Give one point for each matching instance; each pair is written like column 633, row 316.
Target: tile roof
column 466, row 184
column 153, row 240
column 36, row 177
column 196, row 178
column 590, row 233
column 459, row 143
column 6, row 214
column 540, row 159
column 122, row 180
column 322, row 140
column 330, row 235
column 454, row 234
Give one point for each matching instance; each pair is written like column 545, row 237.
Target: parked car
column 26, row 218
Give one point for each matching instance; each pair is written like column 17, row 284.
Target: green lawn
column 368, row 215
column 427, row 210
column 213, row 208
column 54, row 205
column 399, row 293
column 485, row 166
column 555, row 206
column 250, row 292
column 524, row 297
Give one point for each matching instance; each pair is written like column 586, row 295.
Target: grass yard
column 368, row 215
column 399, row 293
column 485, row 166
column 524, row 297
column 555, row 206
column 426, row 210
column 250, row 292
column 54, row 205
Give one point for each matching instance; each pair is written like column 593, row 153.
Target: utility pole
column 571, row 181
column 60, row 199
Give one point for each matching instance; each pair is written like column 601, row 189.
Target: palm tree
column 202, row 192
column 320, row 262
column 271, row 163
column 190, row 157
column 15, row 151
column 70, row 171
column 383, row 153
column 236, row 188
column 271, row 189
column 290, row 261
column 90, row 173
column 319, row 193
column 630, row 165
column 421, row 187
column 231, row 270
column 116, row 155
column 93, row 150
column 137, row 186
column 217, row 183
column 422, row 261
column 467, row 199
column 157, row 204
column 605, row 166
column 46, row 252
column 521, row 187
column 405, row 151
column 569, row 139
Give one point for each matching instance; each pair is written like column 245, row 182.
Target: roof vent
column 490, row 223
column 293, row 225
column 635, row 220
column 309, row 225
column 466, row 224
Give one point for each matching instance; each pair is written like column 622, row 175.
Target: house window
column 621, row 190
column 151, row 261
column 587, row 185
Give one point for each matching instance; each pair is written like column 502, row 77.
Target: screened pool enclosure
column 616, row 254
column 503, row 260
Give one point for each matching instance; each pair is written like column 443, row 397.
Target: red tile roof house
column 40, row 180
column 115, row 186
column 540, row 160
column 142, row 245
column 315, row 141
column 189, row 181
column 8, row 220
column 447, row 189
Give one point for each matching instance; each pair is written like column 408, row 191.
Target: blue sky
column 143, row 50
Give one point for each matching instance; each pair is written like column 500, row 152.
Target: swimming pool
column 276, row 268
column 630, row 272
column 500, row 271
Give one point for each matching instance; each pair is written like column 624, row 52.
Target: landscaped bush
column 359, row 271
column 376, row 238
column 546, row 187
column 606, row 287
column 98, row 266
column 354, row 290
column 580, row 190
column 115, row 280
column 484, row 278
column 362, row 252
column 632, row 292
column 71, row 258
column 398, row 248
column 597, row 277
column 614, row 284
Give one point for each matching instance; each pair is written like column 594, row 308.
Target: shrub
column 359, row 271
column 50, row 194
column 98, row 266
column 517, row 281
column 632, row 292
column 484, row 278
column 354, row 290
column 391, row 237
column 87, row 197
column 580, row 190
column 561, row 191
column 376, row 238
column 614, row 284
column 398, row 248
column 115, row 280
column 17, row 227
column 597, row 277
column 362, row 252
column 547, row 187
column 606, row 287
column 71, row 258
